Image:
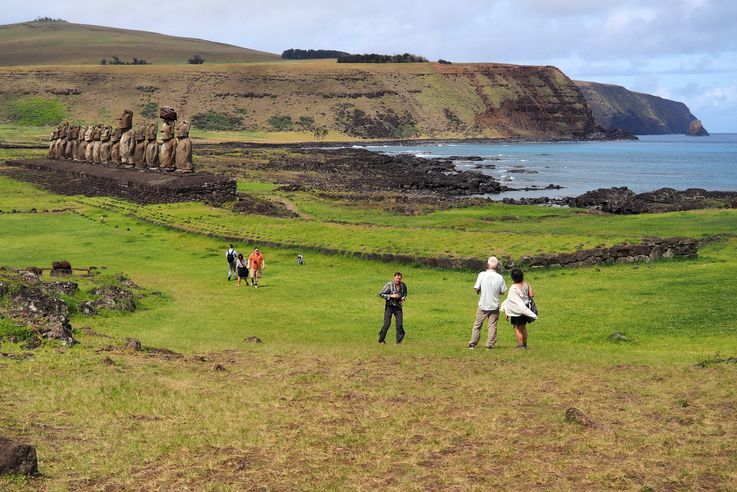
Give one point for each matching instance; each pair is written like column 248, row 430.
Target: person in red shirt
column 255, row 266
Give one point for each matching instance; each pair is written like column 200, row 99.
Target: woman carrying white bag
column 519, row 307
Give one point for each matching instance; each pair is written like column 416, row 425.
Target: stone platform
column 136, row 185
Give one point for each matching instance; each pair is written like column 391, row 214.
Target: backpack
column 230, row 257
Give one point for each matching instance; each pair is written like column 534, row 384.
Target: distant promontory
column 615, row 107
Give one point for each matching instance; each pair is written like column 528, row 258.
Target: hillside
column 614, row 106
column 65, row 43
column 357, row 101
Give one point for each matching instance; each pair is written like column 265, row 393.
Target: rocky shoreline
column 623, row 201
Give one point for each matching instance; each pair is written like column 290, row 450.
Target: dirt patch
column 249, row 204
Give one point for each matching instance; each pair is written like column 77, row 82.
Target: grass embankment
column 320, row 405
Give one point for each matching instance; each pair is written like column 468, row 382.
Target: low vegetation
column 318, row 404
column 35, row 111
column 212, row 120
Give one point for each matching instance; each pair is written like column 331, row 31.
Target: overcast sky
column 684, row 50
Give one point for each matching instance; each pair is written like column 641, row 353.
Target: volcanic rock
column 574, row 415
column 17, row 458
column 696, row 129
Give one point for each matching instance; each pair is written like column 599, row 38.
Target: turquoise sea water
column 655, row 161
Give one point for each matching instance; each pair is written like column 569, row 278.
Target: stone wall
column 650, row 249
column 74, row 178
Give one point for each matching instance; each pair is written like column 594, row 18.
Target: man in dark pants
column 394, row 292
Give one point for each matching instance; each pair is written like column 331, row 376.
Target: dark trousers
column 388, row 312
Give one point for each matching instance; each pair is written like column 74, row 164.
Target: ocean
column 655, row 161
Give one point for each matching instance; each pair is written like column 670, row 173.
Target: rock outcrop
column 696, row 129
column 625, row 201
column 17, row 458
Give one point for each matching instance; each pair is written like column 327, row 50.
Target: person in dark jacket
column 395, row 293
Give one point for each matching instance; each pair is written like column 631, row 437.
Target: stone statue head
column 126, row 120
column 96, row 133
column 140, row 134
column 183, row 129
column 167, row 130
column 115, row 137
column 88, row 134
column 151, row 131
column 105, row 133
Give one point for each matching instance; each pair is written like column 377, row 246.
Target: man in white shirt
column 490, row 286
column 231, row 255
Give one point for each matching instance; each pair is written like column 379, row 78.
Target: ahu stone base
column 136, row 185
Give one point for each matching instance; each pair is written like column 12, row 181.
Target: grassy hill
column 642, row 114
column 290, row 100
column 66, row 43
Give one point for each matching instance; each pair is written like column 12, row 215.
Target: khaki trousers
column 481, row 316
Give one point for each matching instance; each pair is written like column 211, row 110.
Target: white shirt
column 491, row 285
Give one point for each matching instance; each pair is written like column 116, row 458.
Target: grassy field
column 319, row 405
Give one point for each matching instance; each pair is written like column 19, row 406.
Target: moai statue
column 52, row 141
column 152, row 147
column 127, row 138
column 139, row 151
column 96, row 144
column 58, row 143
column 184, row 149
column 90, row 144
column 71, row 145
column 106, row 145
column 82, row 143
column 75, row 142
column 167, row 153
column 61, row 149
column 115, row 146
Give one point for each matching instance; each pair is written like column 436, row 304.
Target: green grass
column 319, row 405
column 35, row 111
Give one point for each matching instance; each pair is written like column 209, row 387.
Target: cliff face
column 356, row 101
column 614, row 106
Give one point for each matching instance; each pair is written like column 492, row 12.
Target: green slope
column 65, row 43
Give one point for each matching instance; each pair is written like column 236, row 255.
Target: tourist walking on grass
column 489, row 286
column 394, row 293
column 242, row 266
column 230, row 256
column 256, row 265
column 517, row 307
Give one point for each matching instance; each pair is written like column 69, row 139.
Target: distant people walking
column 517, row 307
column 489, row 286
column 256, row 265
column 230, row 256
column 242, row 266
column 395, row 293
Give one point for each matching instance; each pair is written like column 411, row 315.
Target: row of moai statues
column 125, row 146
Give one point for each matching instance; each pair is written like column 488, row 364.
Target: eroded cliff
column 614, row 107
column 358, row 101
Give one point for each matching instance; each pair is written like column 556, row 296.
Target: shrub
column 196, row 60
column 150, row 110
column 306, row 122
column 212, row 120
column 36, row 111
column 281, row 123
